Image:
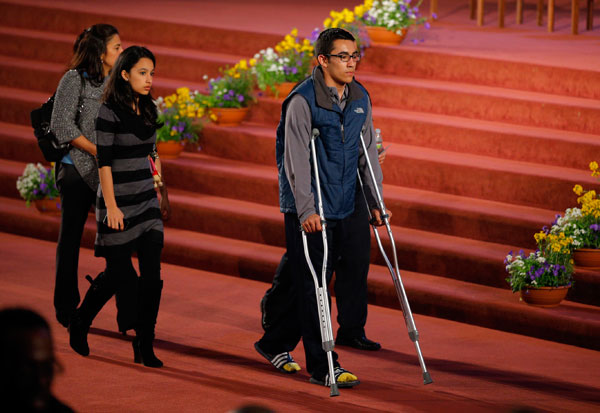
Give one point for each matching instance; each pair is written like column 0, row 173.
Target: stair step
column 570, row 323
column 136, row 30
column 472, row 176
column 256, row 142
column 416, row 62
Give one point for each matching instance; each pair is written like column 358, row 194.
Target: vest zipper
column 342, row 128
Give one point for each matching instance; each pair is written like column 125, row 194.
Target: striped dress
column 124, row 143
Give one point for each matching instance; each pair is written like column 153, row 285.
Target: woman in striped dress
column 128, row 212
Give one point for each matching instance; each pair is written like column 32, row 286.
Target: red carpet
column 488, row 130
column 205, row 334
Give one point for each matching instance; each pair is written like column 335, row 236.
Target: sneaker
column 282, row 361
column 343, row 378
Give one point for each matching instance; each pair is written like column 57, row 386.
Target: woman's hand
column 165, row 205
column 114, row 219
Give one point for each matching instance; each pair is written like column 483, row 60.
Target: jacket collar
column 322, row 95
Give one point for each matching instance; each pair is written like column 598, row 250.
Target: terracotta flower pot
column 588, row 258
column 281, row 90
column 229, row 116
column 48, row 206
column 169, row 149
column 545, row 296
column 381, row 35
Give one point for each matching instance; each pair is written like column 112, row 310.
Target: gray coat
column 66, row 129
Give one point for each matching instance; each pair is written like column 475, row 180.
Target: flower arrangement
column 233, row 89
column 177, row 113
column 289, row 61
column 394, row 15
column 348, row 20
column 37, row 182
column 551, row 265
column 581, row 224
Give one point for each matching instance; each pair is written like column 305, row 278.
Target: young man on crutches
column 332, row 105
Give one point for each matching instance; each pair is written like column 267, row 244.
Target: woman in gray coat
column 76, row 106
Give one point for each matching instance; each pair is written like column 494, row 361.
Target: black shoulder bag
column 40, row 121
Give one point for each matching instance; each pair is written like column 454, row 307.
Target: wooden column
column 501, row 7
column 519, row 11
column 433, row 8
column 479, row 12
column 590, row 15
column 574, row 16
column 540, row 12
column 472, row 8
column 550, row 15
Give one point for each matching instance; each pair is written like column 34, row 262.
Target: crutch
column 321, row 292
column 394, row 271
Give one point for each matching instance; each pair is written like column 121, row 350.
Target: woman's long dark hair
column 118, row 92
column 88, row 49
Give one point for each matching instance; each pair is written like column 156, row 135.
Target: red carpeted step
column 138, row 30
column 420, row 168
column 16, row 104
column 484, row 102
column 256, row 142
column 415, row 62
column 422, row 251
column 480, row 137
column 570, row 323
column 18, row 143
column 44, row 46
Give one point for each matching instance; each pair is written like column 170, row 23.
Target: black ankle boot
column 149, row 302
column 98, row 294
column 78, row 331
column 143, row 351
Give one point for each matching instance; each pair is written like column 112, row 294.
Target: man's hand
column 312, row 224
column 376, row 214
column 381, row 154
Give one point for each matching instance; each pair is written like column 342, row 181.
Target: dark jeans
column 290, row 305
column 76, row 199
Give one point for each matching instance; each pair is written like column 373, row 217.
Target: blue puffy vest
column 337, row 146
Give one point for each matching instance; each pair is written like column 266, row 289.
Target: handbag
column 41, row 117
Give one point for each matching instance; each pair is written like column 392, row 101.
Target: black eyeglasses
column 345, row 57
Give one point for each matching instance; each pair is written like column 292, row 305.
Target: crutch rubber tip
column 427, row 378
column 334, row 390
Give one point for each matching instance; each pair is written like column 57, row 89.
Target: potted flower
column 388, row 21
column 583, row 225
column 278, row 70
column 229, row 95
column 543, row 277
column 37, row 185
column 178, row 114
column 349, row 21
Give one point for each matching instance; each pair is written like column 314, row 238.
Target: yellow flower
column 327, row 23
column 252, row 62
column 213, row 116
column 539, row 236
column 172, row 132
column 294, row 32
column 243, row 64
column 593, row 166
column 578, row 189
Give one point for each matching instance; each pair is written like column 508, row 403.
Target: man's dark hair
column 324, row 44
